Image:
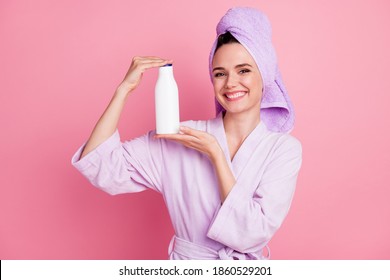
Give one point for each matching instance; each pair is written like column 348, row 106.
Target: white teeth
column 235, row 95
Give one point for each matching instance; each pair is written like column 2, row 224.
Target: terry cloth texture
column 253, row 30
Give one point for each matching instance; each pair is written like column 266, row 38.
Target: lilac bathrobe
column 265, row 167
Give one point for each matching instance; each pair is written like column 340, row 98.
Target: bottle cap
column 170, row 64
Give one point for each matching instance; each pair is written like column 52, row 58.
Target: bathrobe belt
column 194, row 251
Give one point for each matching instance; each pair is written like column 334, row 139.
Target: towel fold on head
column 253, row 30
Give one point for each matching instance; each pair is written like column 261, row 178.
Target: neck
column 239, row 126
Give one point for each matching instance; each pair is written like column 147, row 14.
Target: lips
column 234, row 95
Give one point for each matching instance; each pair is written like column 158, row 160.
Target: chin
column 235, row 110
column 241, row 110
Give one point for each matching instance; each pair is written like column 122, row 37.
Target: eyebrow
column 237, row 66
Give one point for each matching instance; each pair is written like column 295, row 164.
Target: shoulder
column 290, row 142
column 284, row 143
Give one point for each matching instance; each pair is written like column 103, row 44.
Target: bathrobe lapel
column 247, row 149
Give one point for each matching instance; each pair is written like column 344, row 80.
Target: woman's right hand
column 108, row 122
column 138, row 66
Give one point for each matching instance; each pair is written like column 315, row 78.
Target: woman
column 227, row 182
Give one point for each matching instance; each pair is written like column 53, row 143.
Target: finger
column 145, row 65
column 185, row 140
column 190, row 131
column 156, row 58
column 150, row 59
column 147, row 61
column 141, row 58
column 176, row 137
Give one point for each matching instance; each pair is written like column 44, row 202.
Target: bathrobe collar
column 244, row 153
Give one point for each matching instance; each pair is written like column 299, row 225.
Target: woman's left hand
column 207, row 144
column 195, row 139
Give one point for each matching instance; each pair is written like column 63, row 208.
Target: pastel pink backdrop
column 62, row 60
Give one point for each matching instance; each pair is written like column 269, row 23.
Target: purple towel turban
column 253, row 30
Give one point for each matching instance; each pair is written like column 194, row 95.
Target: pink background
column 60, row 62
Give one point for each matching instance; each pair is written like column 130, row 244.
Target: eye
column 243, row 71
column 219, row 74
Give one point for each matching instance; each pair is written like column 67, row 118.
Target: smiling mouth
column 234, row 95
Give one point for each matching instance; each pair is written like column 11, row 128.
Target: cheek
column 217, row 84
column 254, row 83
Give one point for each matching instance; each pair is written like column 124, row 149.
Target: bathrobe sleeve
column 247, row 220
column 117, row 167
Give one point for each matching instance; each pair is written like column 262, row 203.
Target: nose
column 231, row 81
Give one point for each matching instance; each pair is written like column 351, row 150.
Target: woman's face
column 237, row 80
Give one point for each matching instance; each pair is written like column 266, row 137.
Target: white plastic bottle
column 167, row 102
